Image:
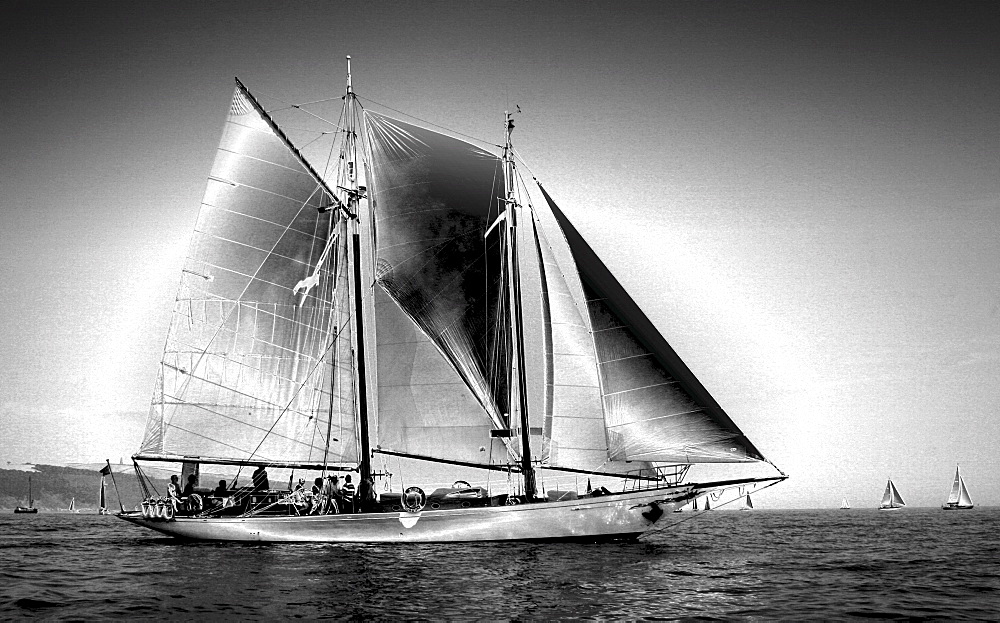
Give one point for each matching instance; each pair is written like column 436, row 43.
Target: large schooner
column 418, row 301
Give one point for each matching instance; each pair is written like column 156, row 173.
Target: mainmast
column 354, row 194
column 511, row 207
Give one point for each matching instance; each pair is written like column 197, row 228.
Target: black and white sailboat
column 380, row 311
column 30, row 508
column 958, row 497
column 891, row 499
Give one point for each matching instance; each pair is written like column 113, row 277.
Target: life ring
column 414, row 499
column 461, row 484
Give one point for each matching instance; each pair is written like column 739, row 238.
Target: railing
column 654, row 477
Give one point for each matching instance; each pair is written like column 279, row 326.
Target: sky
column 804, row 198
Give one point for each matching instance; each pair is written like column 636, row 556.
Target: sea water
column 762, row 564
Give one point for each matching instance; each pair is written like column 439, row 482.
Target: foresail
column 424, row 407
column 257, row 359
column 964, row 499
column 434, row 199
column 897, row 499
column 574, row 416
column 655, row 409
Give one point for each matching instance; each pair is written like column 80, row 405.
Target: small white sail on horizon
column 845, row 505
column 958, row 498
column 891, row 499
column 747, row 504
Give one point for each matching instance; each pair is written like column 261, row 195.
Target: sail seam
column 272, row 163
column 669, row 415
column 634, row 389
column 257, row 218
column 250, row 246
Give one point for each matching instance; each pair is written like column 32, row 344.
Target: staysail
column 257, row 363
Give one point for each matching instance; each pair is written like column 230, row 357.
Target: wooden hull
column 589, row 519
column 607, row 517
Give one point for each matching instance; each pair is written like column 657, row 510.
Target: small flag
column 106, row 470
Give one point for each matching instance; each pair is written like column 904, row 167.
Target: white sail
column 844, row 504
column 964, row 499
column 248, row 371
column 574, row 417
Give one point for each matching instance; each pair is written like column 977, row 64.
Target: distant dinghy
column 959, row 498
column 891, row 500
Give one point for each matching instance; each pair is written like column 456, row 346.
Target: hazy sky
column 805, row 199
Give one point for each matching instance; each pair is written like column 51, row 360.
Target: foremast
column 516, row 386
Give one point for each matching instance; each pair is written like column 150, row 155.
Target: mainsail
column 257, row 364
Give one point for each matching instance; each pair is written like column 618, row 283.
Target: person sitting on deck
column 300, row 497
column 192, row 500
column 174, row 492
column 317, row 496
column 221, row 491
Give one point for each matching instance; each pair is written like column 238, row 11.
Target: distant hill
column 54, row 486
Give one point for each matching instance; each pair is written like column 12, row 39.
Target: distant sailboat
column 959, row 498
column 72, row 506
column 694, row 505
column 708, row 506
column 747, row 504
column 891, row 500
column 845, row 505
column 30, row 508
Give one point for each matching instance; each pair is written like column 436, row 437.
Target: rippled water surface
column 762, row 564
